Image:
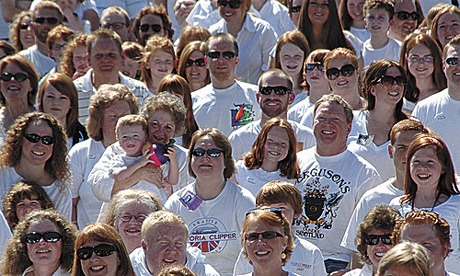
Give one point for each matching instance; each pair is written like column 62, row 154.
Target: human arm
column 93, row 18
column 121, row 173
column 173, row 175
column 10, row 10
column 148, row 173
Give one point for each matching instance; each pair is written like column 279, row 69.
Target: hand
column 145, row 159
column 152, row 174
column 171, row 154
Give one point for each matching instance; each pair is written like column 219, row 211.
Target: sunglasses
column 389, row 80
column 102, row 250
column 23, row 26
column 198, row 152
column 312, row 66
column 295, row 9
column 127, row 218
column 34, row 138
column 113, row 26
column 49, row 20
column 35, row 237
column 403, row 15
column 267, row 235
column 225, row 55
column 374, row 239
column 278, row 90
column 155, row 28
column 452, row 60
column 20, row 77
column 334, row 73
column 234, row 4
column 275, row 210
column 198, row 62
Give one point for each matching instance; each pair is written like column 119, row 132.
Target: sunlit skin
column 401, row 28
column 150, row 19
column 130, row 231
column 37, row 154
column 97, row 265
column 162, row 127
column 196, row 75
column 206, row 167
column 388, row 95
column 291, row 60
column 56, row 103
column 161, row 64
column 276, row 148
column 448, row 27
column 452, row 72
column 425, row 170
column 318, row 12
column 27, row 36
column 376, row 252
column 110, row 119
column 25, row 206
column 355, row 10
column 132, row 138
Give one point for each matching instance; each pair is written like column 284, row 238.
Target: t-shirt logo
column 209, row 235
column 242, row 115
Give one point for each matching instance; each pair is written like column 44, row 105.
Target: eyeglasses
column 198, row 152
column 57, row 47
column 334, row 73
column 267, row 235
column 23, row 26
column 415, row 59
column 311, row 66
column 374, row 239
column 49, row 20
column 20, row 77
column 275, row 210
column 234, row 4
column 403, row 15
column 155, row 28
column 102, row 250
column 225, row 55
column 34, row 138
column 278, row 90
column 389, row 80
column 295, row 9
column 35, row 237
column 127, row 218
column 452, row 60
column 113, row 26
column 198, row 62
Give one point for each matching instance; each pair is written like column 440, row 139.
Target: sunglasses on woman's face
column 234, row 4
column 334, row 73
column 155, row 28
column 198, row 152
column 198, row 62
column 35, row 237
column 452, row 60
column 312, row 66
column 374, row 239
column 34, row 138
column 19, row 77
column 101, row 250
column 390, row 80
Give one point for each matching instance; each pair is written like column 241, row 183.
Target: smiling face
column 41, row 30
column 167, row 247
column 399, row 149
column 110, row 119
column 161, row 127
column 355, row 9
column 276, row 146
column 130, row 231
column 26, row 36
column 291, row 59
column 222, row 69
column 231, row 15
column 97, row 265
column 36, row 154
column 343, row 85
column 194, row 73
column 377, row 21
column 402, row 28
column 44, row 253
column 151, row 19
column 56, row 103
column 132, row 138
column 452, row 72
column 419, row 67
column 426, row 169
column 376, row 252
column 274, row 105
column 448, row 27
column 388, row 94
column 161, row 64
column 206, row 167
column 25, row 206
column 318, row 12
column 13, row 90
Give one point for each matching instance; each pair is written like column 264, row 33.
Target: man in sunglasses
column 45, row 17
column 404, row 20
column 117, row 20
column 152, row 20
column 274, row 97
column 332, row 179
column 225, row 103
column 440, row 112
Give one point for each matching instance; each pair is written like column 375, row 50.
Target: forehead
column 205, row 141
column 405, row 137
column 377, row 11
column 151, row 19
column 134, row 208
column 162, row 116
column 42, row 226
column 169, row 230
column 405, row 5
column 420, row 49
column 221, row 45
column 40, row 127
column 104, row 45
column 449, row 17
column 131, row 128
column 274, row 80
column 330, row 109
column 45, row 12
column 393, row 71
column 338, row 62
column 418, row 232
column 112, row 16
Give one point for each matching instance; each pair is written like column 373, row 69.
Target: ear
column 258, row 97
column 372, row 90
column 206, row 61
column 392, row 21
column 390, row 151
column 291, row 98
column 88, row 58
column 237, row 59
column 348, row 128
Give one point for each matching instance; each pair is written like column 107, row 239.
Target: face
column 399, row 150
column 44, row 253
column 116, row 22
column 377, row 21
column 132, row 138
column 195, row 73
column 105, row 58
column 330, row 128
column 274, row 105
column 376, row 252
column 130, row 67
column 220, row 68
column 13, row 90
column 56, row 49
column 452, row 72
column 355, row 9
column 276, row 146
column 100, row 265
column 420, row 61
column 38, row 153
column 80, row 61
column 25, row 206
column 161, row 64
column 317, row 78
column 296, row 14
column 231, row 15
column 402, row 28
column 41, row 30
column 291, row 59
column 129, row 224
column 318, row 12
column 388, row 94
column 26, row 32
column 448, row 27
column 426, row 236
column 149, row 20
column 167, row 247
column 343, row 84
column 182, row 9
column 110, row 119
column 206, row 167
column 425, row 168
column 56, row 103
column 161, row 127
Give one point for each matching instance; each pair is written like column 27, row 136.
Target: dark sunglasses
column 225, row 55
column 34, row 138
column 155, row 28
column 403, row 15
column 311, row 66
column 374, row 239
column 346, row 70
column 452, row 60
column 295, row 9
column 389, row 80
column 198, row 62
column 23, row 26
column 278, row 90
column 20, row 77
column 267, row 235
column 102, row 250
column 234, row 4
column 198, row 152
column 49, row 20
column 35, row 237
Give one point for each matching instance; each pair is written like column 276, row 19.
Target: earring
column 283, row 256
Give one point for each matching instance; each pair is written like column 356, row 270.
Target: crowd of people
column 230, row 137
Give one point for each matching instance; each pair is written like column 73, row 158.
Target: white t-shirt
column 226, row 109
column 390, row 51
column 296, row 112
column 215, row 225
column 6, row 233
column 361, row 34
column 367, row 270
column 277, row 15
column 42, row 63
column 331, row 186
column 299, row 98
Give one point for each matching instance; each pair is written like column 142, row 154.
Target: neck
column 104, row 79
column 195, row 86
column 265, row 118
column 37, row 173
column 44, row 270
column 153, row 87
column 208, row 189
column 425, row 198
column 383, row 113
column 107, row 142
column 315, row 93
column 358, row 24
column 326, row 150
column 426, row 86
column 379, row 41
column 258, row 4
column 353, row 99
column 42, row 47
column 234, row 28
column 224, row 83
column 319, row 39
column 269, row 166
column 12, row 111
column 395, row 36
column 398, row 181
column 454, row 92
column 63, row 122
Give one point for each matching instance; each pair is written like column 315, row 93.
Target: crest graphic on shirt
column 210, row 235
column 242, row 114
